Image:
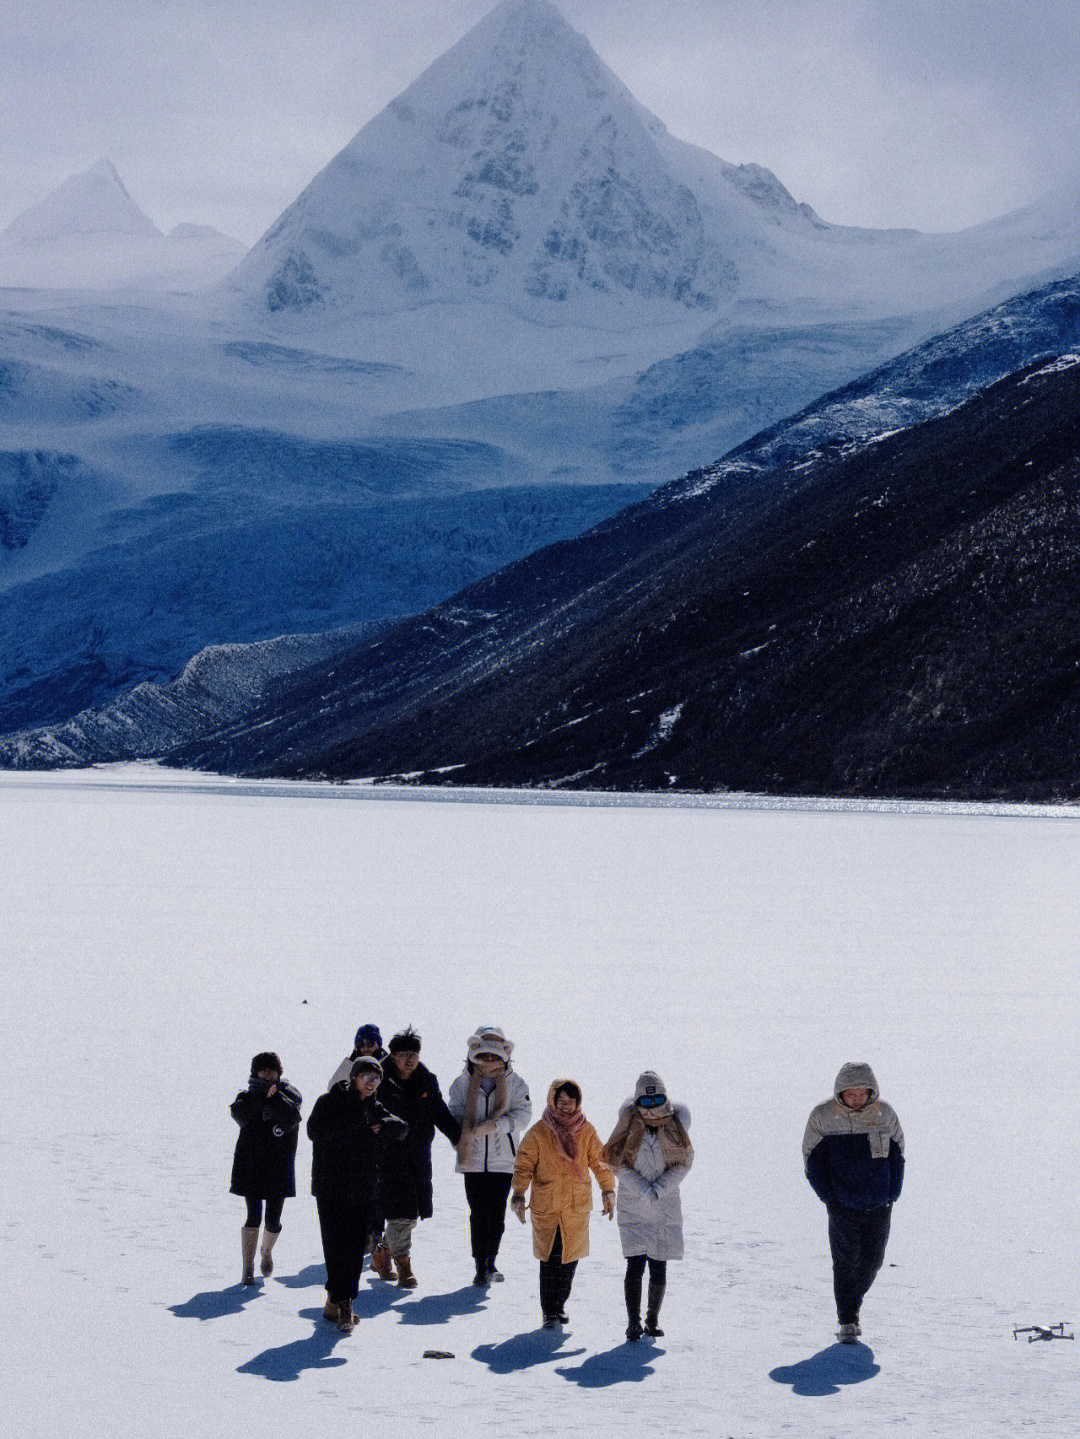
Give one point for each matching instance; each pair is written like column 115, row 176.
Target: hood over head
column 557, row 1084
column 856, row 1076
column 489, row 1039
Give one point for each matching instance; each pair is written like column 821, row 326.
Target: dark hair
column 407, row 1040
column 568, row 1087
column 267, row 1059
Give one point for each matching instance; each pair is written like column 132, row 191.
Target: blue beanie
column 367, row 1034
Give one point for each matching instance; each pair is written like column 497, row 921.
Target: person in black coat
column 411, row 1091
column 351, row 1133
column 264, row 1162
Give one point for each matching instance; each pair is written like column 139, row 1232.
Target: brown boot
column 266, row 1264
column 249, row 1238
column 330, row 1313
column 405, row 1277
column 380, row 1262
column 346, row 1319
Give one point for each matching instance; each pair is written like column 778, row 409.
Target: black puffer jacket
column 405, row 1191
column 264, row 1164
column 350, row 1136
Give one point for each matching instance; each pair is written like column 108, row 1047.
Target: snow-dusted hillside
column 152, row 942
column 89, row 234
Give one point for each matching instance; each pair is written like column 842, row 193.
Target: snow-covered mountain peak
column 89, row 234
column 516, row 168
column 93, row 202
column 104, row 169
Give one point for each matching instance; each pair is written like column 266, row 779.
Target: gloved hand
column 517, row 1204
column 608, row 1202
column 487, row 1126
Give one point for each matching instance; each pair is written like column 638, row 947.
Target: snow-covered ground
column 154, row 939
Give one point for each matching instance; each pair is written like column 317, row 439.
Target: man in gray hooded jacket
column 853, row 1150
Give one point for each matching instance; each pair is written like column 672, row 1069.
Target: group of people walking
column 372, row 1133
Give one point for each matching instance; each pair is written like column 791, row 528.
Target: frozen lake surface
column 158, row 930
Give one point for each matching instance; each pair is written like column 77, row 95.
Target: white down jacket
column 493, row 1153
column 648, row 1207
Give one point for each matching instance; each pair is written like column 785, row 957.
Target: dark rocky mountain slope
column 903, row 619
column 415, row 696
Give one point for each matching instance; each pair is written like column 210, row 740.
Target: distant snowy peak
column 89, row 234
column 94, row 202
column 517, row 167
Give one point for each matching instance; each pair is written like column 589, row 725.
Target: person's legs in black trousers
column 556, row 1281
column 487, row 1195
column 857, row 1239
column 344, row 1228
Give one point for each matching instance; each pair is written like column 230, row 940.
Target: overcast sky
column 931, row 113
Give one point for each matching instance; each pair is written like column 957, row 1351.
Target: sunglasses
column 652, row 1101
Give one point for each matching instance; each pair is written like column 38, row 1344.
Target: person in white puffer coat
column 492, row 1104
column 651, row 1153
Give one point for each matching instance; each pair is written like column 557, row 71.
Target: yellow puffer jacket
column 561, row 1190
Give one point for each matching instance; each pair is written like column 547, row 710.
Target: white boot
column 249, row 1238
column 266, row 1264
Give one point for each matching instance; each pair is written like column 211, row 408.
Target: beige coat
column 561, row 1188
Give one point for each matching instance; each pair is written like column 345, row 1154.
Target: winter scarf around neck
column 471, row 1116
column 622, row 1148
column 566, row 1128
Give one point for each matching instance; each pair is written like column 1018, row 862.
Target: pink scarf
column 566, row 1128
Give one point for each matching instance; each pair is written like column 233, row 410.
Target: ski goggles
column 651, row 1101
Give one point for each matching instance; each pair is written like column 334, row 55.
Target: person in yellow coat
column 555, row 1157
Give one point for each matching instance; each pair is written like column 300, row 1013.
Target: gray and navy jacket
column 854, row 1157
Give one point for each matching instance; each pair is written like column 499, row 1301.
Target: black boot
column 652, row 1316
column 632, row 1293
column 492, row 1273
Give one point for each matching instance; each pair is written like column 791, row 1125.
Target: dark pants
column 556, row 1280
column 345, row 1228
column 487, row 1195
column 857, row 1239
column 635, row 1271
column 273, row 1213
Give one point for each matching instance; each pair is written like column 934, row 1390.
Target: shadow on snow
column 441, row 1308
column 306, row 1278
column 827, row 1371
column 627, row 1364
column 525, row 1351
column 287, row 1362
column 217, row 1303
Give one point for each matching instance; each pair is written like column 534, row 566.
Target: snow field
column 152, row 942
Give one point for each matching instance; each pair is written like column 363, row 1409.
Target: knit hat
column 487, row 1039
column 365, row 1062
column 649, row 1084
column 368, row 1034
column 266, row 1059
column 405, row 1041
